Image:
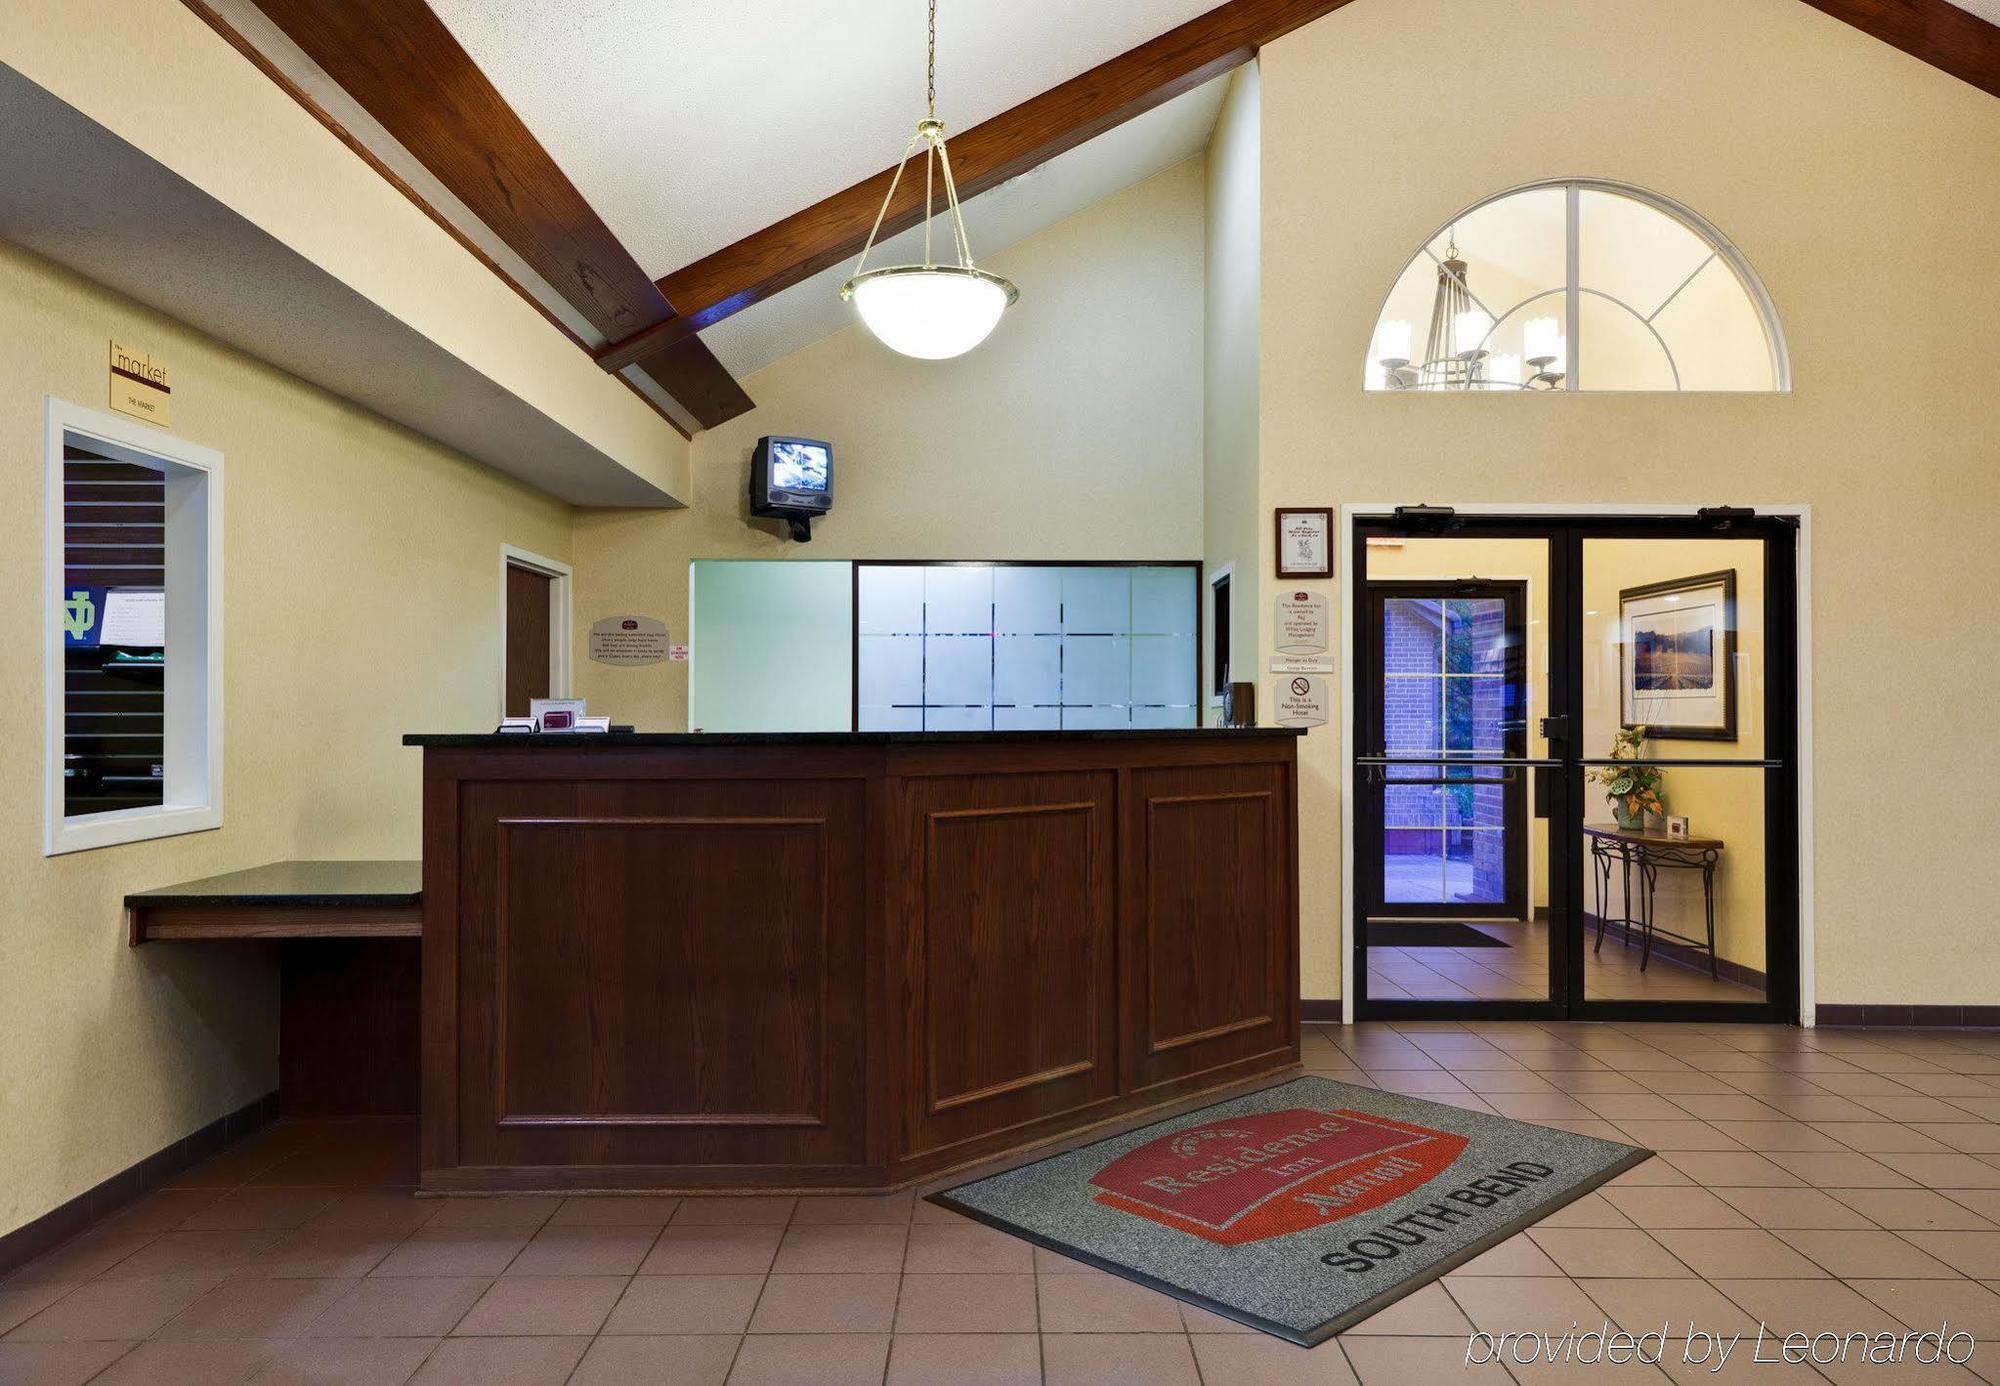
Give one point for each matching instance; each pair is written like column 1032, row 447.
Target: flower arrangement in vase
column 1632, row 788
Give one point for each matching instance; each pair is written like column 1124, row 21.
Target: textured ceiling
column 1988, row 10
column 689, row 124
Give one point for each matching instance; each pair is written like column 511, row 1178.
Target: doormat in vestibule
column 1429, row 933
column 1298, row 1210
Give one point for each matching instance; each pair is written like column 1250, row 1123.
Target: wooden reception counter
column 840, row 961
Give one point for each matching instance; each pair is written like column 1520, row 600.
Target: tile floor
column 1520, row 971
column 1828, row 1179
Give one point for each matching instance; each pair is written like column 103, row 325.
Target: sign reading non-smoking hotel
column 139, row 384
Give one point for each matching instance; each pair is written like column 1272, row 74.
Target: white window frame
column 191, row 799
column 560, row 574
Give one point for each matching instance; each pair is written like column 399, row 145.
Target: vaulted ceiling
column 680, row 183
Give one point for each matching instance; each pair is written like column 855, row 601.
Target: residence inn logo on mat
column 1268, row 1174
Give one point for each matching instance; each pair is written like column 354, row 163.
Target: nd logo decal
column 79, row 614
column 1272, row 1173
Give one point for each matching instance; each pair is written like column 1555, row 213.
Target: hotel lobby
column 935, row 691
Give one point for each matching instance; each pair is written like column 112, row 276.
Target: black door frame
column 1563, row 773
column 1370, row 826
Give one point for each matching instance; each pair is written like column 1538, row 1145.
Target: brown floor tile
column 374, row 1211
column 1912, row 1210
column 1680, row 1134
column 538, row 1306
column 712, row 1250
column 751, row 1210
column 1197, row 1320
column 1672, row 1206
column 56, row 1364
column 1592, row 1210
column 1650, row 1304
column 1517, row 1255
column 1523, row 1304
column 1950, row 1171
column 1055, row 1263
column 1735, row 1169
column 108, row 1309
column 254, row 1209
column 1404, row 1361
column 1974, row 1137
column 80, row 1259
column 1872, row 1253
column 1261, row 1360
column 1976, row 1254
column 17, row 1306
column 1118, row 1359
column 159, row 1211
column 1880, row 1137
column 665, row 1305
column 257, row 1308
column 321, row 1255
column 1776, row 1135
column 841, row 1249
column 584, row 1251
column 1701, row 1362
column 892, row 1208
column 1832, row 1169
column 811, row 1359
column 343, row 1361
column 609, row 1210
column 1606, row 1251
column 826, row 1304
column 400, row 1307
column 1808, row 1306
column 1427, row 1312
column 453, row 1251
column 162, row 1362
column 966, row 1247
column 1716, row 1253
column 1792, row 1208
column 485, row 1214
column 672, row 1361
column 1101, row 1303
column 1921, row 1304
column 501, row 1362
column 966, row 1304
column 965, row 1359
column 193, row 1253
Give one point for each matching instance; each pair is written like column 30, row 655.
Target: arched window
column 1578, row 284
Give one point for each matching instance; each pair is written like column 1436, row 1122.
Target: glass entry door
column 1575, row 757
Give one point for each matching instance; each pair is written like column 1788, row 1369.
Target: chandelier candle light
column 1457, row 352
column 932, row 311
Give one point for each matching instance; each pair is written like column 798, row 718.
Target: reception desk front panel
column 840, row 961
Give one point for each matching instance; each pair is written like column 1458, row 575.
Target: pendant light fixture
column 932, row 311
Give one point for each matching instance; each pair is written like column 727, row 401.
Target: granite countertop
column 577, row 740
column 298, row 883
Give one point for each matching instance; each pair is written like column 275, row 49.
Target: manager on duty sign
column 139, row 384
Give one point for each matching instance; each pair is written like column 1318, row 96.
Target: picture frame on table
column 1305, row 541
column 1677, row 657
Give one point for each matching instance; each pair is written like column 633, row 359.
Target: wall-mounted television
column 791, row 479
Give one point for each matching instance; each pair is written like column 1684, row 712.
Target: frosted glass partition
column 976, row 647
column 771, row 646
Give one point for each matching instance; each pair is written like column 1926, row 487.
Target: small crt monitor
column 791, row 478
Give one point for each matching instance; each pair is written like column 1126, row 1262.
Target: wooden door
column 528, row 595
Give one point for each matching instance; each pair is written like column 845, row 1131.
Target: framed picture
column 1677, row 656
column 1305, row 543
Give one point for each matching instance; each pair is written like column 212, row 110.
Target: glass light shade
column 1503, row 371
column 930, row 312
column 1542, row 337
column 1469, row 329
column 1392, row 341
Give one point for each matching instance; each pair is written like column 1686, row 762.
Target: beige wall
column 1074, row 432
column 1851, row 177
column 1230, row 510
column 361, row 601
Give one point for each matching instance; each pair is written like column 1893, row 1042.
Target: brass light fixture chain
column 930, row 99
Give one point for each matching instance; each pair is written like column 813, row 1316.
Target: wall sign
column 1305, row 543
column 1302, row 623
column 1300, row 700
column 139, row 385
column 629, row 640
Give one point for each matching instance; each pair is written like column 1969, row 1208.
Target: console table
column 1650, row 853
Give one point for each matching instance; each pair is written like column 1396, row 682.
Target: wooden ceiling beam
column 1948, row 38
column 983, row 157
column 397, row 59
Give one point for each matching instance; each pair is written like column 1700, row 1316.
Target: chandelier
column 1456, row 350
column 932, row 311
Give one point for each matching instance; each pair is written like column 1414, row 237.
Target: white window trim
column 193, row 704
column 512, row 556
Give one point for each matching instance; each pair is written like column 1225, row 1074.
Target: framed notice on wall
column 1305, row 543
